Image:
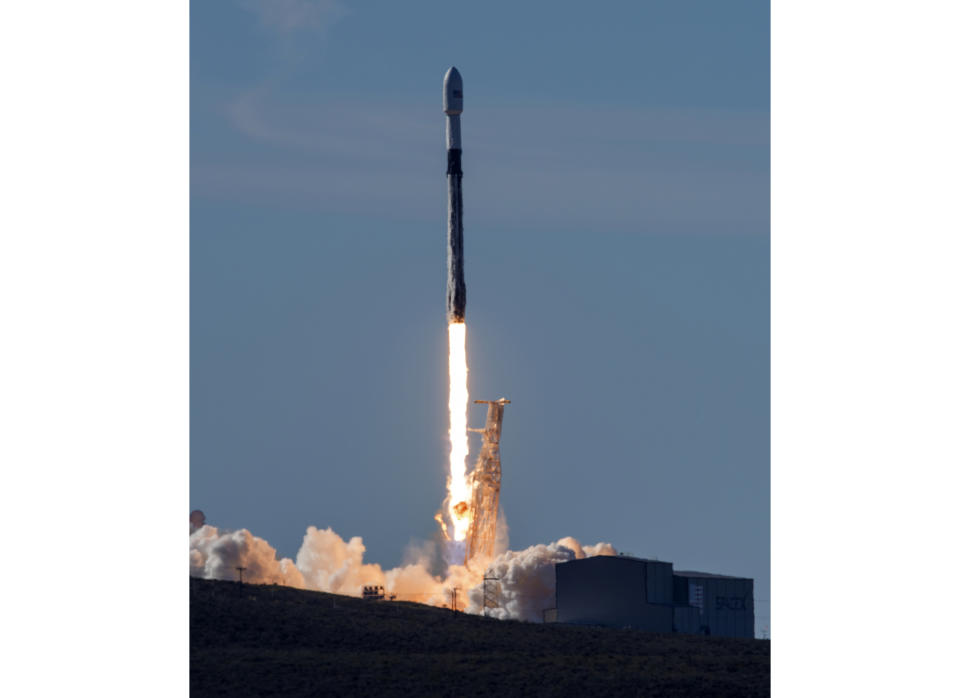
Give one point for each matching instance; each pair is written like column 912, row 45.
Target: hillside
column 253, row 640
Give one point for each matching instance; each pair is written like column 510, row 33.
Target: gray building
column 618, row 591
column 621, row 591
column 713, row 604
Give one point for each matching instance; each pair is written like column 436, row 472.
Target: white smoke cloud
column 527, row 579
column 501, row 541
column 598, row 549
column 215, row 555
column 326, row 562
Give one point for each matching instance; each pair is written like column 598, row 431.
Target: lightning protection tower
column 491, row 593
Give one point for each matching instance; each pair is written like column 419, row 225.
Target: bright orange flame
column 458, row 487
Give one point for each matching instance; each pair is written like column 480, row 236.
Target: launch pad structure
column 486, row 485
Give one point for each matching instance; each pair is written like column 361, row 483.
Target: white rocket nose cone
column 452, row 92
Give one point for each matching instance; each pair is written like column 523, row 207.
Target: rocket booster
column 453, row 107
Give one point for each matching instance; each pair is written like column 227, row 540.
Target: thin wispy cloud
column 603, row 168
column 286, row 16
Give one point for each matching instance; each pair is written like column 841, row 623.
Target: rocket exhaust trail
column 458, row 486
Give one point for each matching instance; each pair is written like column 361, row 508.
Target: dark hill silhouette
column 262, row 640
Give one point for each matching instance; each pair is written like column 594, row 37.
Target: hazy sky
column 616, row 227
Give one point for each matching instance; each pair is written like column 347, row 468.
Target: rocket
column 453, row 107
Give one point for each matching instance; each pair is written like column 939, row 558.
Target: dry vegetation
column 253, row 640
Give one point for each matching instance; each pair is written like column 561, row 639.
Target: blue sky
column 616, row 196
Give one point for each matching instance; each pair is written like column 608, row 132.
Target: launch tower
column 486, row 485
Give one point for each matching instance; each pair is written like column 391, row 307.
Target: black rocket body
column 456, row 287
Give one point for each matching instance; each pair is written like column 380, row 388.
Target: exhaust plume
column 527, row 580
column 215, row 555
column 327, row 562
column 459, row 487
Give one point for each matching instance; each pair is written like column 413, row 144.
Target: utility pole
column 453, row 593
column 240, row 570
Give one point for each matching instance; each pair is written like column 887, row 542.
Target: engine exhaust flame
column 458, row 485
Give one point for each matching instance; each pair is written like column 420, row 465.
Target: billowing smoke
column 501, row 542
column 326, row 562
column 215, row 555
column 527, row 583
column 329, row 563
